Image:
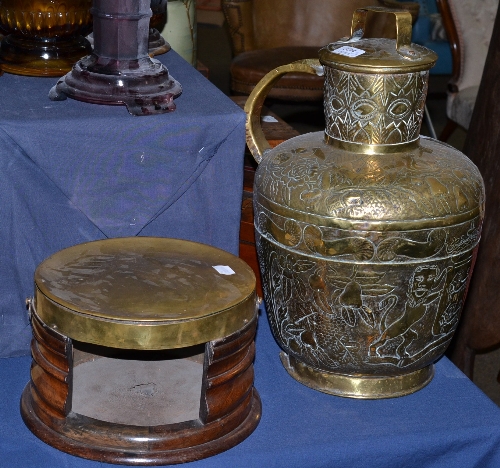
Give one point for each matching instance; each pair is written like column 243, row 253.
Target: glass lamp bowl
column 43, row 37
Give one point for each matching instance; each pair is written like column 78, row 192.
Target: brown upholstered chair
column 468, row 26
column 266, row 34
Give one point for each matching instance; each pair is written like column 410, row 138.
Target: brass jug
column 366, row 234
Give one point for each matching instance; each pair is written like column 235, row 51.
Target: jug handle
column 403, row 26
column 256, row 141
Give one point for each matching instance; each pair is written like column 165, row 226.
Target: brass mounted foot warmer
column 366, row 233
column 120, row 70
column 142, row 351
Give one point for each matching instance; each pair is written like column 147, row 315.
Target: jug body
column 366, row 234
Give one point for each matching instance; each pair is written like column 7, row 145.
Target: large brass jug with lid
column 366, row 234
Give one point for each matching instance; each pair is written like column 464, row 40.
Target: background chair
column 479, row 328
column 267, row 34
column 468, row 25
column 429, row 32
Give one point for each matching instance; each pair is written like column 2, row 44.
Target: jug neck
column 374, row 112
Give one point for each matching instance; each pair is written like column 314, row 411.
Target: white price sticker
column 268, row 118
column 347, row 51
column 224, row 270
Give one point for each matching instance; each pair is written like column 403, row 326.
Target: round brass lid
column 359, row 55
column 144, row 293
column 376, row 56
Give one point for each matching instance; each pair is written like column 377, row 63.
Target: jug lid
column 378, row 55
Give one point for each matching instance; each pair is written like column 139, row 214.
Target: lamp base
column 143, row 85
column 156, row 43
column 49, row 57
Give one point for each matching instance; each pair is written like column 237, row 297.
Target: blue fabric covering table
column 72, row 172
column 449, row 423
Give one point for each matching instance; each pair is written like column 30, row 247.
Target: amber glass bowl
column 43, row 37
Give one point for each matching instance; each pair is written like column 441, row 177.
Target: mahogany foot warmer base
column 116, row 381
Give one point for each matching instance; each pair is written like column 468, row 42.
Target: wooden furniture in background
column 203, row 69
column 468, row 29
column 267, row 34
column 479, row 329
column 276, row 131
column 211, row 5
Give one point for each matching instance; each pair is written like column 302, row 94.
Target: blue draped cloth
column 449, row 423
column 72, row 172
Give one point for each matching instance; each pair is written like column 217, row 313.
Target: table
column 449, row 423
column 72, row 172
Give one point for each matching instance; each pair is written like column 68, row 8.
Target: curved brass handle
column 256, row 140
column 403, row 25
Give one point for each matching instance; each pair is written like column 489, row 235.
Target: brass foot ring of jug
column 368, row 387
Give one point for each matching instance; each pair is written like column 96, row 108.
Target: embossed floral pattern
column 430, row 181
column 347, row 317
column 359, row 108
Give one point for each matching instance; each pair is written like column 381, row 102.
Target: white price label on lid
column 348, row 51
column 224, row 270
column 268, row 118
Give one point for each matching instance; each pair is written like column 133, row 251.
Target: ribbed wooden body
column 230, row 407
column 50, row 388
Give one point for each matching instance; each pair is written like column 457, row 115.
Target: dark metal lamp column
column 120, row 71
